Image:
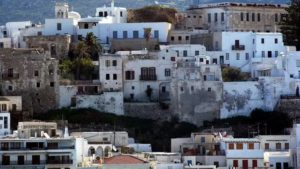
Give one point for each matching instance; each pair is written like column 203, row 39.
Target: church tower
column 61, row 10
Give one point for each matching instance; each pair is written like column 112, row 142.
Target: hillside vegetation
column 152, row 14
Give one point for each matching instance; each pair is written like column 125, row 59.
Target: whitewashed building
column 242, row 152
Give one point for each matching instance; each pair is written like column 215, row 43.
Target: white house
column 241, row 152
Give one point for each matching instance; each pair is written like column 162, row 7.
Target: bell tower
column 61, row 10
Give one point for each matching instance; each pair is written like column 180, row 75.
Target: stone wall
column 57, row 45
column 108, row 102
column 133, row 44
column 32, row 74
column 151, row 110
column 289, row 106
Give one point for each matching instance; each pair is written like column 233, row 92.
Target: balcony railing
column 35, row 148
column 238, row 47
column 6, row 76
column 9, row 163
column 148, row 77
column 59, row 161
column 41, row 162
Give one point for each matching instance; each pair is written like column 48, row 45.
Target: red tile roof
column 123, row 159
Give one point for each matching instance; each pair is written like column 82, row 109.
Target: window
column 262, row 40
column 216, row 17
column 209, row 89
column 286, row 146
column 5, row 123
column 14, row 107
column 227, row 56
column 10, row 72
column 5, row 160
column 107, row 63
column 1, row 45
column 187, row 38
column 38, row 84
column 173, row 58
column 10, row 88
column 278, row 166
column 247, row 56
column 216, row 163
column 58, row 26
column 276, row 17
column 121, row 14
column 36, row 73
column 135, row 34
column 163, row 89
column 167, row 72
column 105, row 13
column 86, row 26
column 276, row 53
column 148, row 73
column 114, row 62
column 125, row 36
column 222, row 16
column 202, row 139
column 4, row 107
column 269, row 54
column 197, row 53
column 192, row 88
column 250, row 146
column 235, row 163
column 115, row 34
column 172, row 38
column 253, row 17
column 179, row 38
column 129, row 75
column 247, row 16
column 51, row 84
column 35, row 159
column 278, row 146
column 258, row 17
column 115, row 76
column 237, row 56
column 239, row 146
column 263, row 54
column 185, row 53
column 107, row 77
column 100, row 14
column 20, row 160
column 298, row 63
column 275, row 40
column 209, row 18
column 156, row 34
column 242, row 16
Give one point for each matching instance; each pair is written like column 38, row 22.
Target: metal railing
column 238, row 47
column 148, row 77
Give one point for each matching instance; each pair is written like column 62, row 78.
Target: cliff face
column 291, row 106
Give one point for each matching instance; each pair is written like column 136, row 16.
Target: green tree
column 94, row 48
column 80, row 60
column 290, row 25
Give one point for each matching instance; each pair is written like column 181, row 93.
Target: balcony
column 148, row 78
column 9, row 76
column 238, row 47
